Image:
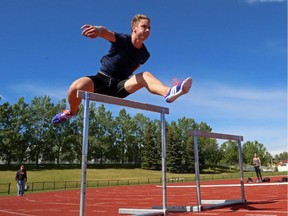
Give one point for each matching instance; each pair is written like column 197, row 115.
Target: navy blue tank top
column 123, row 58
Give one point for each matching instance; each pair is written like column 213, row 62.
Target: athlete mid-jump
column 115, row 77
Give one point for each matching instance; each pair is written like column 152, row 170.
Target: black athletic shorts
column 109, row 86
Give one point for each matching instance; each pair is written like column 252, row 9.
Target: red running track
column 263, row 199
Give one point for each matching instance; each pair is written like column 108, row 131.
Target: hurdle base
column 219, row 203
column 181, row 208
column 142, row 212
column 209, row 204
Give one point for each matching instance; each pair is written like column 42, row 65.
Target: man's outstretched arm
column 98, row 31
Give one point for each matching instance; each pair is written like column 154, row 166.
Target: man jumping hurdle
column 115, row 77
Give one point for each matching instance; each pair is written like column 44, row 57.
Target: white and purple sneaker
column 62, row 116
column 178, row 90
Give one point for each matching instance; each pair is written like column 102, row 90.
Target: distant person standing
column 21, row 178
column 257, row 167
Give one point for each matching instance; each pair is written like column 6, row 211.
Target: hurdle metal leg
column 241, row 170
column 197, row 173
column 164, row 186
column 84, row 154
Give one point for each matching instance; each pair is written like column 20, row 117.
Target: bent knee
column 147, row 74
column 84, row 84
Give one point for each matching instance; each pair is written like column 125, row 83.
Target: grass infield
column 73, row 173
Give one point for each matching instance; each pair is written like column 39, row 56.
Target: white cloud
column 214, row 101
column 31, row 90
column 241, row 102
column 2, row 97
column 257, row 114
column 274, row 138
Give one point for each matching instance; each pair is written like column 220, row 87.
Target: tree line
column 28, row 136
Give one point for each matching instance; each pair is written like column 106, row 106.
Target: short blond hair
column 137, row 18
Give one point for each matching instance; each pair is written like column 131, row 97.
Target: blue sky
column 235, row 51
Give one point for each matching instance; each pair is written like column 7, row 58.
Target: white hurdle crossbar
column 216, row 203
column 88, row 96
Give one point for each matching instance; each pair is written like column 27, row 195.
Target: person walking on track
column 21, row 178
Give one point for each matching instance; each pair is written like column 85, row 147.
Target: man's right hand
column 91, row 31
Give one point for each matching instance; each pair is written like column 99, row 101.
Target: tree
column 230, row 152
column 185, row 125
column 281, row 156
column 41, row 146
column 140, row 122
column 102, row 135
column 151, row 153
column 124, row 134
column 14, row 134
column 268, row 159
column 212, row 153
column 202, row 143
column 6, row 133
column 174, row 149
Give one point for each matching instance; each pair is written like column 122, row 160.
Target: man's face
column 142, row 29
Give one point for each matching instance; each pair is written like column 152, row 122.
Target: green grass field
column 111, row 174
column 73, row 173
column 58, row 175
column 92, row 174
column 39, row 175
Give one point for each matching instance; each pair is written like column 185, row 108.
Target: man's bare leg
column 153, row 85
column 84, row 84
column 147, row 80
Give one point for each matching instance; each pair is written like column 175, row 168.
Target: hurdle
column 214, row 203
column 87, row 97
